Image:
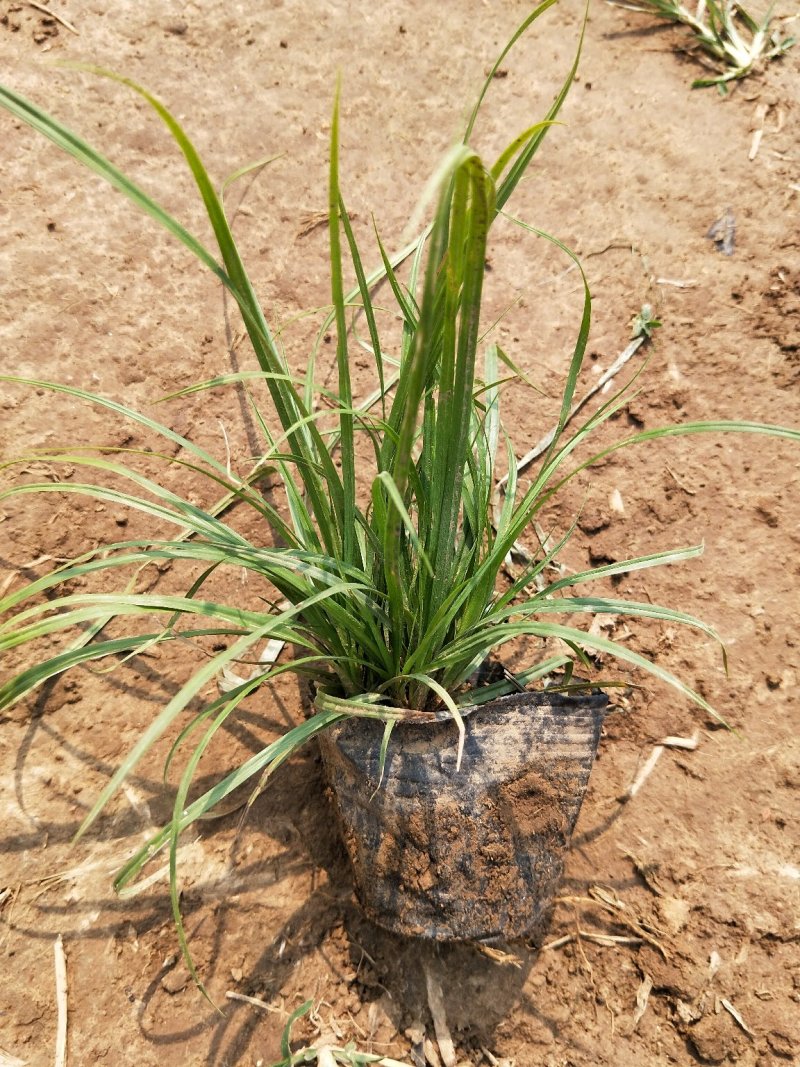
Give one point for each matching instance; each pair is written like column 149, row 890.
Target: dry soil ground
column 705, row 859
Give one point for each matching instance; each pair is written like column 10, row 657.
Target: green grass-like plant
column 326, row 1055
column 734, row 41
column 386, row 578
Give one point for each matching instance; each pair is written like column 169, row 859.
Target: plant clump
column 732, row 40
column 385, row 578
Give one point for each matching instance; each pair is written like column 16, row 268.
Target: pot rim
column 592, row 698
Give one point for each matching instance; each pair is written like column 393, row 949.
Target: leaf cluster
column 733, row 39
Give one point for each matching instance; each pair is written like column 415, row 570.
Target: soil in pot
column 474, row 854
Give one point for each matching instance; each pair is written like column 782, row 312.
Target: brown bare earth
column 676, row 938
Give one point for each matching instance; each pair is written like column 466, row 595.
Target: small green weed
column 735, row 42
column 326, row 1055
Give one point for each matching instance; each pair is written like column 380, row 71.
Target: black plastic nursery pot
column 474, row 854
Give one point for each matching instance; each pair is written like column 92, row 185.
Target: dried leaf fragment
column 605, row 895
column 688, row 743
column 732, row 1011
column 439, row 1016
column 644, row 773
column 7, row 1060
column 648, row 872
column 642, row 998
column 499, row 956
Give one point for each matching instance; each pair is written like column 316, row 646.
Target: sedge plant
column 385, row 578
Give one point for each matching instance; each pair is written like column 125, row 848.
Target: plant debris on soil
column 675, row 939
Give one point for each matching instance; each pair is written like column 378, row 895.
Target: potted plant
column 457, row 785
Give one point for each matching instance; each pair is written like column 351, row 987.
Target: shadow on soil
column 478, row 992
